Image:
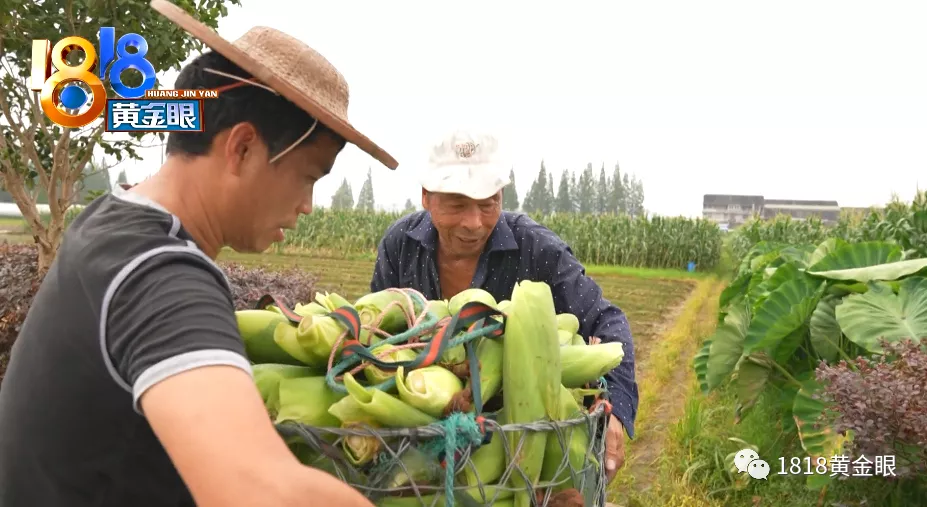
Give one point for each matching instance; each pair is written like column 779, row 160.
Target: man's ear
column 240, row 144
column 424, row 198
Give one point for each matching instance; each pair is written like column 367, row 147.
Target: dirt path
column 662, row 374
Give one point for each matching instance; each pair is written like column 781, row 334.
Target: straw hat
column 468, row 163
column 291, row 68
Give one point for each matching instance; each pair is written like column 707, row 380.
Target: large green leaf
column 727, row 345
column 825, row 332
column 750, row 381
column 880, row 313
column 700, row 364
column 858, row 255
column 880, row 272
column 783, row 274
column 736, row 290
column 784, row 311
column 824, row 249
column 789, row 344
column 798, row 254
column 813, row 419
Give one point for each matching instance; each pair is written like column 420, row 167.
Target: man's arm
column 172, row 337
column 386, row 270
column 576, row 293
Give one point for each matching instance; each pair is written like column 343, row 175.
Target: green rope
column 460, row 431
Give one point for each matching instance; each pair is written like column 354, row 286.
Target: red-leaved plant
column 884, row 402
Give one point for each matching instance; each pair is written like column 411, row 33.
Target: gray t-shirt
column 128, row 301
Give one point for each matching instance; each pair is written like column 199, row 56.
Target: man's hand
column 614, row 447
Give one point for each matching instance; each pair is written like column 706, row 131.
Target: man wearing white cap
column 463, row 239
column 129, row 385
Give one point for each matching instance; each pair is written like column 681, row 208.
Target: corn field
column 656, row 242
column 900, row 222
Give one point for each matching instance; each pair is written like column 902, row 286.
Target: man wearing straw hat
column 463, row 239
column 129, row 384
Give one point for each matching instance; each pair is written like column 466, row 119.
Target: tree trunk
column 48, row 248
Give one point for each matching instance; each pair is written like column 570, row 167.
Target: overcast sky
column 789, row 99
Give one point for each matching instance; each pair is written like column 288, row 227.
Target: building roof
column 722, row 200
column 799, row 202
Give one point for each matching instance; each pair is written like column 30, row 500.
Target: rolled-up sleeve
column 576, row 293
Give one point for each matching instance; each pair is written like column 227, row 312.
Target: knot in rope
column 461, row 430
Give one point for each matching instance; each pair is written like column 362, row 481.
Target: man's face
column 464, row 224
column 267, row 198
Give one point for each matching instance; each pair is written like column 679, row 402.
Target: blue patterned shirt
column 518, row 249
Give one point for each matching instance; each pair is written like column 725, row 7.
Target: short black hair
column 278, row 121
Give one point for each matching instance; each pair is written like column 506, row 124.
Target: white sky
column 788, row 99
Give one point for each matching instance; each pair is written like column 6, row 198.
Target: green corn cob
column 530, row 378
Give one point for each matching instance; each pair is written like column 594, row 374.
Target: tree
column 343, row 197
column 616, row 192
column 409, row 208
column 626, row 197
column 564, row 202
column 365, row 199
column 37, row 156
column 601, row 192
column 586, row 191
column 537, row 194
column 549, row 202
column 510, row 194
column 635, row 197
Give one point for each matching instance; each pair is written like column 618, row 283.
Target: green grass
column 693, row 464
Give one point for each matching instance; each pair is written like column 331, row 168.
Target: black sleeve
column 171, row 314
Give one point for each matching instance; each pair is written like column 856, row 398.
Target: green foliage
column 793, row 305
column 657, row 242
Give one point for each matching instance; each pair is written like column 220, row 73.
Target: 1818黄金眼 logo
column 63, row 99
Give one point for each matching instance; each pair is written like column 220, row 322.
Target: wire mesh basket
column 405, row 467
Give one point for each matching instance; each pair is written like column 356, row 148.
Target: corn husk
column 375, row 375
column 285, row 337
column 578, row 340
column 575, row 442
column 312, row 308
column 568, row 322
column 267, row 378
column 428, row 389
column 474, row 294
column 530, row 379
column 317, row 335
column 486, row 466
column 257, row 328
column 360, row 449
column 393, row 321
column 331, row 301
column 489, row 352
column 438, row 308
column 587, row 363
column 351, row 413
column 385, row 409
column 306, row 400
column 564, row 337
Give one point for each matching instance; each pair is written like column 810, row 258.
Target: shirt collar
column 501, row 239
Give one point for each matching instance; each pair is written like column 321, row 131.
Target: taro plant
column 790, row 307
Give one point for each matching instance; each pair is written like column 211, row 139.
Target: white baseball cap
column 466, row 163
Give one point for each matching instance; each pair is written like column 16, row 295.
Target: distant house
column 731, row 210
column 734, row 210
column 827, row 211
